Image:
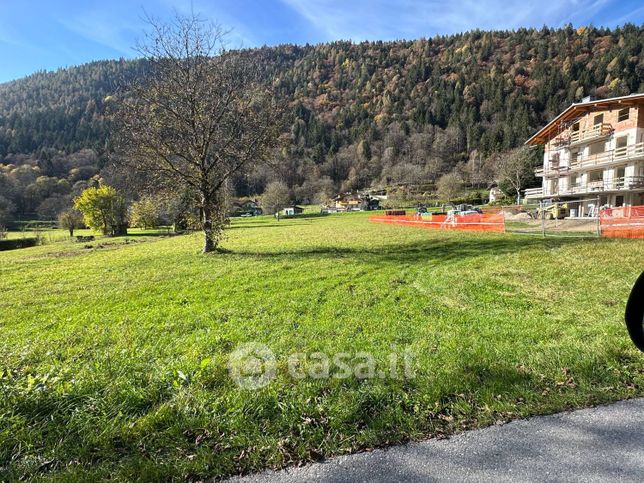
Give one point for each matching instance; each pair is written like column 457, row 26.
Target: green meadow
column 114, row 354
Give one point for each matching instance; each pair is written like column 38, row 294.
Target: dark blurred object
column 635, row 313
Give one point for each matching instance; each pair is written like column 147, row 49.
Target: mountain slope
column 368, row 113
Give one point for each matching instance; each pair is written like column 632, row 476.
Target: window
column 622, row 114
column 574, row 181
column 598, row 119
column 596, row 175
column 620, row 146
column 620, row 173
column 575, row 127
column 596, row 148
column 619, row 201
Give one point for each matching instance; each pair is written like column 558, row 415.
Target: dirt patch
column 517, row 216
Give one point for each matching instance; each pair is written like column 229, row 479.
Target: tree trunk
column 120, row 229
column 71, row 232
column 209, row 243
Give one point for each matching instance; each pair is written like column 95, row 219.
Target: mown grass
column 114, row 357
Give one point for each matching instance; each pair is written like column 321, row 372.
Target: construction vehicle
column 551, row 209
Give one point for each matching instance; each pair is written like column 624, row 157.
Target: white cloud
column 631, row 16
column 105, row 27
column 381, row 19
column 238, row 37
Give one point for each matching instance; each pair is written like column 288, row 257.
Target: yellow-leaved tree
column 103, row 209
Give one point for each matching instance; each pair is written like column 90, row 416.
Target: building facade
column 594, row 155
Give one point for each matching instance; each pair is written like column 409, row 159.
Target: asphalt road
column 598, row 444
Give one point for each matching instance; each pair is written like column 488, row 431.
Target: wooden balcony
column 573, row 138
column 596, row 132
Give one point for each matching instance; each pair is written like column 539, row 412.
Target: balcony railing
column 533, row 192
column 569, row 137
column 625, row 153
column 595, row 132
column 616, row 184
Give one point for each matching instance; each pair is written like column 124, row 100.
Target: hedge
column 18, row 243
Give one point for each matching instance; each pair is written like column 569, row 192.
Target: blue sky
column 47, row 34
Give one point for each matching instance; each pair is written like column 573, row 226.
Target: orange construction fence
column 622, row 222
column 470, row 222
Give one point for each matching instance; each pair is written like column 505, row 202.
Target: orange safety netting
column 470, row 222
column 622, row 222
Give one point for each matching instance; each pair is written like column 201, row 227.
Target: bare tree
column 199, row 115
column 449, row 186
column 71, row 220
column 276, row 197
column 515, row 170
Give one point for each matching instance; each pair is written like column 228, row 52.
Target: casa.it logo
column 252, row 365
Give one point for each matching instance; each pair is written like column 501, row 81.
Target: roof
column 574, row 110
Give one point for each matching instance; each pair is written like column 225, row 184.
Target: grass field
column 114, row 358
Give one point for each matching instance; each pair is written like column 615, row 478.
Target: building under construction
column 594, row 154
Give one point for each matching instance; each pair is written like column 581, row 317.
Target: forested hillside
column 368, row 114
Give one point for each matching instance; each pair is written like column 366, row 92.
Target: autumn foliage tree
column 103, row 209
column 198, row 117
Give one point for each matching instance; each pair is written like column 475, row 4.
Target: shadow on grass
column 150, row 234
column 305, row 216
column 434, row 249
column 261, row 225
column 289, row 221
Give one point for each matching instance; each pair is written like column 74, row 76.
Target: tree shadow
column 155, row 234
column 306, row 215
column 260, row 225
column 423, row 250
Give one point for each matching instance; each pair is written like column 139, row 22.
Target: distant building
column 594, row 152
column 293, row 210
column 353, row 201
column 495, row 194
column 245, row 207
